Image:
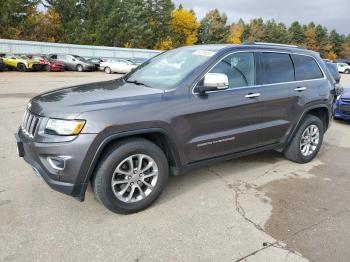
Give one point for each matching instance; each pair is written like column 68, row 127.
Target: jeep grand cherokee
column 184, row 108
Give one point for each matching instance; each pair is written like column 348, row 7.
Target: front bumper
column 67, row 180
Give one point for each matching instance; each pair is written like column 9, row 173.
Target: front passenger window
column 239, row 68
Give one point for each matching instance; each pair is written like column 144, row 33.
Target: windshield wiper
column 136, row 83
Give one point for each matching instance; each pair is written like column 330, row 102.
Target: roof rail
column 270, row 44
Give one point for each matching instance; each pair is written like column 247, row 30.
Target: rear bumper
column 65, row 180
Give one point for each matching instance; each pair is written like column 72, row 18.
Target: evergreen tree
column 213, row 29
column 296, row 34
column 276, row 33
column 256, row 30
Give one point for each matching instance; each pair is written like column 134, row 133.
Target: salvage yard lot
column 257, row 208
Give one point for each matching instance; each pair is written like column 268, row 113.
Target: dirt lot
column 258, row 208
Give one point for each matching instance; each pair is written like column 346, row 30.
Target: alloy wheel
column 134, row 178
column 309, row 140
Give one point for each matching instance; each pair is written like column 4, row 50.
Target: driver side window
column 239, row 68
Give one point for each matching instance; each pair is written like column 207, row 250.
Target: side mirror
column 73, row 59
column 213, row 82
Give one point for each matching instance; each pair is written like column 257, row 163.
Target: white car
column 116, row 65
column 343, row 68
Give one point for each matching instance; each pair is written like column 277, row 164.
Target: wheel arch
column 321, row 111
column 158, row 136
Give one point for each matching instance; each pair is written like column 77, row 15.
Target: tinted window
column 276, row 68
column 239, row 68
column 306, row 68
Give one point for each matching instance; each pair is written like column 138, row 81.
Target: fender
column 100, row 144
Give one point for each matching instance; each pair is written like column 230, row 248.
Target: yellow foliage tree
column 164, row 44
column 345, row 50
column 185, row 26
column 331, row 55
column 235, row 34
column 310, row 38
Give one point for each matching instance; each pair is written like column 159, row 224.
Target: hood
column 72, row 101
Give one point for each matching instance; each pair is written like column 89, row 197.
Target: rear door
column 282, row 104
column 225, row 121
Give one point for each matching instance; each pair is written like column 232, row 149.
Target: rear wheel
column 130, row 176
column 108, row 70
column 48, row 68
column 307, row 141
column 21, row 67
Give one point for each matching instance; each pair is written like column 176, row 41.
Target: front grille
column 347, row 100
column 30, row 123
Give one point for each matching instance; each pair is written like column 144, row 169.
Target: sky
column 334, row 14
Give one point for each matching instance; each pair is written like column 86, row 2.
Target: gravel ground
column 257, row 208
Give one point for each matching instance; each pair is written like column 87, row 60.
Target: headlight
column 64, row 127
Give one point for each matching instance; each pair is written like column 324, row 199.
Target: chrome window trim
column 255, row 86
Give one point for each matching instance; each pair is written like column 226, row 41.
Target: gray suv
column 182, row 109
column 74, row 62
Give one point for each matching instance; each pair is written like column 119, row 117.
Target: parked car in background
column 116, row 65
column 96, row 62
column 138, row 61
column 74, row 62
column 21, row 62
column 125, row 137
column 48, row 63
column 2, row 65
column 342, row 107
column 343, row 68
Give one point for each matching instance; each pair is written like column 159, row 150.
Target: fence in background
column 32, row 47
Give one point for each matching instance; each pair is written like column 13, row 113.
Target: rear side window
column 276, row 68
column 306, row 68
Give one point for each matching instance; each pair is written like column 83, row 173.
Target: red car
column 49, row 64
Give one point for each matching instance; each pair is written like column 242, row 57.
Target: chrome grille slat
column 29, row 124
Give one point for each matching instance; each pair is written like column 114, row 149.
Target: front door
column 226, row 121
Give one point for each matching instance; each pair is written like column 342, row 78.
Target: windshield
column 80, row 58
column 168, row 69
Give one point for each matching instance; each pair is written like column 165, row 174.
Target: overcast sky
column 334, row 14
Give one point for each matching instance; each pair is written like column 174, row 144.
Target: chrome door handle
column 300, row 89
column 253, row 95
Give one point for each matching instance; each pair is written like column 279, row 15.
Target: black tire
column 112, row 158
column 293, row 151
column 108, row 70
column 347, row 71
column 21, row 67
column 47, row 68
column 79, row 68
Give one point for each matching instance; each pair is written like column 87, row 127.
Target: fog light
column 57, row 162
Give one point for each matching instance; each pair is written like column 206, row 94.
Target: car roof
column 255, row 45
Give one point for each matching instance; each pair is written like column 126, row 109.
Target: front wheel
column 347, row 71
column 80, row 68
column 108, row 70
column 130, row 176
column 21, row 68
column 307, row 141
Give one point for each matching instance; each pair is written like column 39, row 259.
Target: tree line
column 153, row 24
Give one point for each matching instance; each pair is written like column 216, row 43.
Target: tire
column 79, row 68
column 47, row 68
column 347, row 71
column 21, row 67
column 294, row 151
column 118, row 157
column 108, row 70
